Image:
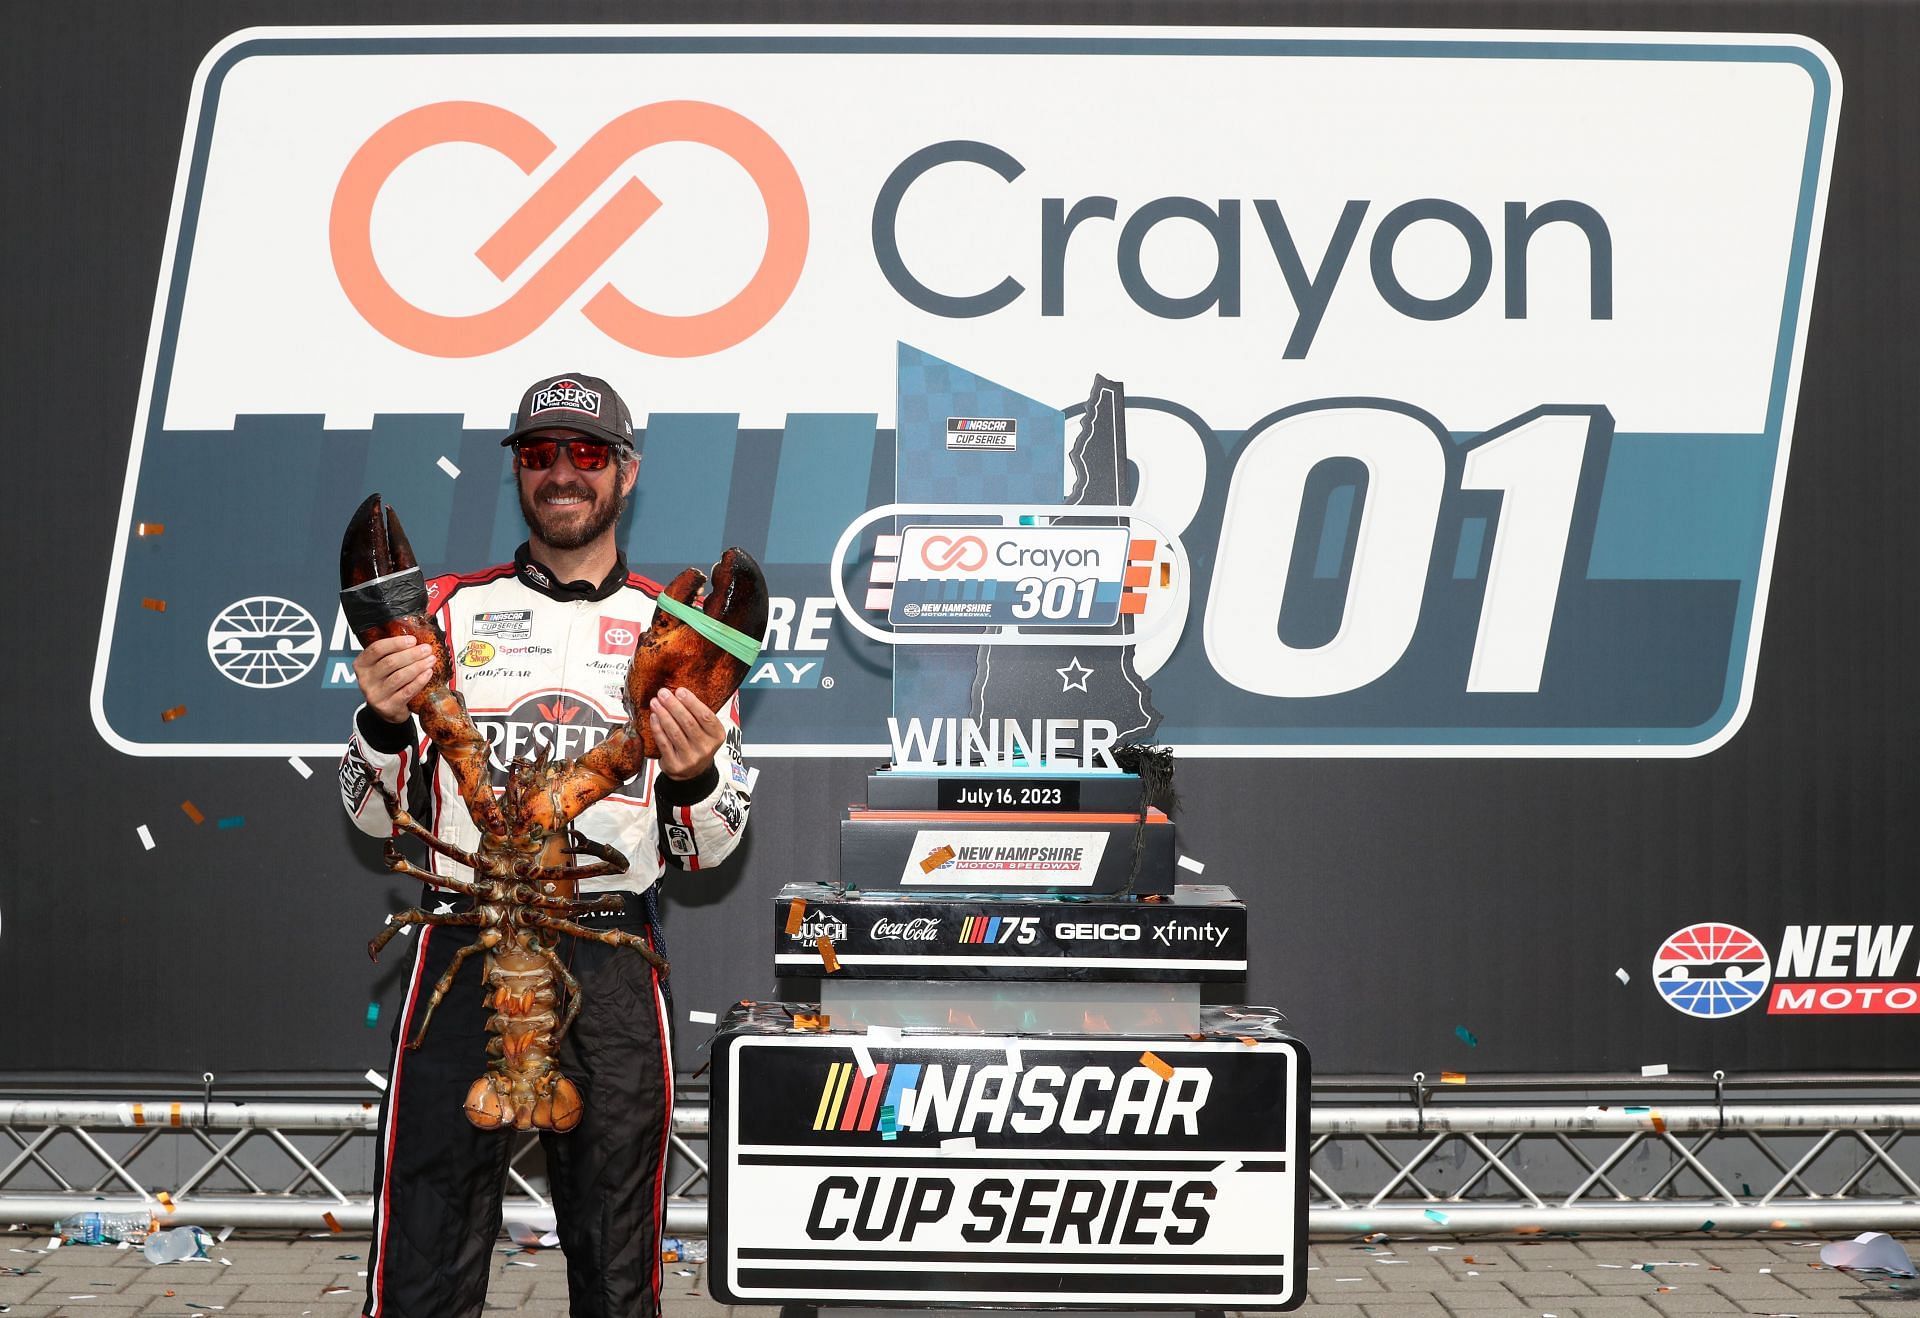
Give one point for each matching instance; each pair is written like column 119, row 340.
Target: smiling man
column 541, row 647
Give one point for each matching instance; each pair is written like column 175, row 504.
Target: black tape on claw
column 383, row 599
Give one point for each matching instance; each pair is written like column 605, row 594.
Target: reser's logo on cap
column 553, row 206
column 567, row 394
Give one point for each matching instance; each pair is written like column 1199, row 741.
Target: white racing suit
column 542, row 664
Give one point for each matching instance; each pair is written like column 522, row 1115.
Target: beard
column 572, row 528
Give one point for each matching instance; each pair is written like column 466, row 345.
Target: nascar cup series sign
column 1459, row 395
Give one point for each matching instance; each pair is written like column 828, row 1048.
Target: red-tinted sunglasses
column 585, row 454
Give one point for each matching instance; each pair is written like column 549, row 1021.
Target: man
column 540, row 650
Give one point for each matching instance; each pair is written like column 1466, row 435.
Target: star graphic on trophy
column 1073, row 677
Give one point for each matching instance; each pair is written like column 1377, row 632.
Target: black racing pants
column 439, row 1179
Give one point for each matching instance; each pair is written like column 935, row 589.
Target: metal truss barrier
column 1592, row 1155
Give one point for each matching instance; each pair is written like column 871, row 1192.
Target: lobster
column 527, row 865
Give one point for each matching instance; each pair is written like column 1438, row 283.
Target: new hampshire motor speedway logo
column 1458, row 434
column 1714, row 970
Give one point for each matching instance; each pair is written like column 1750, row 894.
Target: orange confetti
column 1154, row 1064
column 1248, row 1040
column 169, row 715
column 1659, row 1122
column 796, row 912
column 937, row 859
column 1453, row 1077
column 1528, row 1230
column 333, row 1223
column 807, row 1020
column 192, row 812
column 151, row 528
column 1166, row 575
column 158, row 606
column 827, row 958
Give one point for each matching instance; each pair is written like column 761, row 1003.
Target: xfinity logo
column 1313, row 274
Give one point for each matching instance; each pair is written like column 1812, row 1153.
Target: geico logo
column 1311, row 280
column 793, row 629
column 1067, row 931
column 1028, row 1211
column 553, row 206
column 1090, row 1099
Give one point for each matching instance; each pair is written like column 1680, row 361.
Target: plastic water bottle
column 176, row 1244
column 104, row 1228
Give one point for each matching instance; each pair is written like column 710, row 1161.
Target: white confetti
column 377, row 1080
column 863, row 1059
column 883, row 1033
column 146, row 838
column 957, row 1144
column 448, row 467
column 300, row 766
column 1654, row 1068
column 1189, row 863
column 703, row 1018
column 1622, row 975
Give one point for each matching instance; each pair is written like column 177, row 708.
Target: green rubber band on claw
column 731, row 639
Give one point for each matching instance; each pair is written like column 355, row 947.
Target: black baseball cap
column 585, row 403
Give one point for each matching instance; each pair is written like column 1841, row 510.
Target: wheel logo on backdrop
column 1711, row 970
column 554, row 203
column 264, row 641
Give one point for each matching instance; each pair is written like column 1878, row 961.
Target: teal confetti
column 234, row 821
column 1436, row 1215
column 1638, row 1109
column 1466, row 1036
column 1707, row 1225
column 373, row 1014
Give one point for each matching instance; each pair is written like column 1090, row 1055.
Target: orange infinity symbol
column 351, row 239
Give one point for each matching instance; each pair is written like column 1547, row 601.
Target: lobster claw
column 673, row 654
column 381, row 584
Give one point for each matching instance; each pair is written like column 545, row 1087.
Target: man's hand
column 685, row 732
column 392, row 671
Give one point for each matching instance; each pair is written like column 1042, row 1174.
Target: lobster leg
column 404, row 822
column 568, row 873
column 485, row 943
column 400, row 865
column 411, row 916
column 565, row 976
column 611, row 937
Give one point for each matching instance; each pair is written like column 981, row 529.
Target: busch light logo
column 569, row 395
column 1711, row 970
column 817, row 926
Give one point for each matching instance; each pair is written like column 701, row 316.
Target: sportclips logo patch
column 1716, row 970
column 1495, row 500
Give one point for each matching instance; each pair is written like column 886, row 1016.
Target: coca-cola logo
column 923, row 929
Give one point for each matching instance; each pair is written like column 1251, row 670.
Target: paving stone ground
column 264, row 1274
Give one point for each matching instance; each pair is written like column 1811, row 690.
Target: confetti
column 703, row 1018
column 150, row 528
column 796, row 913
column 158, row 606
column 300, row 766
column 827, row 957
column 192, row 811
column 1435, row 1215
column 1622, row 975
column 1466, row 1036
column 957, row 1144
column 1189, row 863
column 169, row 715
column 146, row 838
column 333, row 1223
column 1453, row 1077
column 937, row 859
column 1654, row 1068
column 377, row 1080
column 883, row 1033
column 806, row 1020
column 233, row 821
column 448, row 467
column 1153, row 1063
column 863, row 1059
column 373, row 1014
